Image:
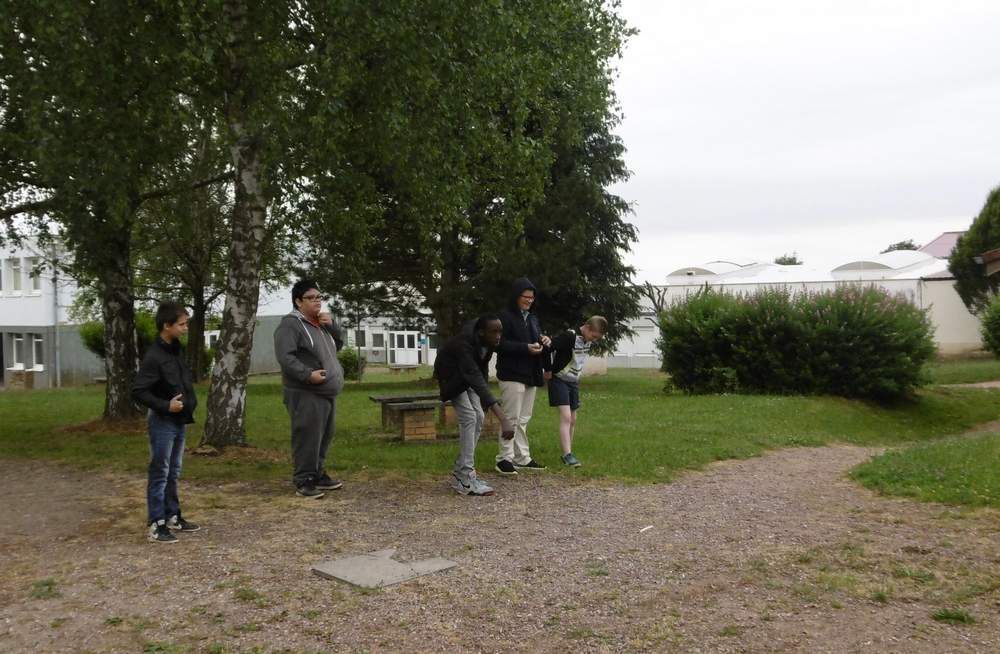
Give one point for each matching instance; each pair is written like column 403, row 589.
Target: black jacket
column 561, row 351
column 514, row 361
column 463, row 363
column 162, row 376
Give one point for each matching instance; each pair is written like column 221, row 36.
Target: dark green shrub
column 991, row 326
column 853, row 341
column 352, row 363
column 92, row 333
column 693, row 345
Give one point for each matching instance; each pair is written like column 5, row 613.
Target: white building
column 921, row 276
column 380, row 339
column 38, row 346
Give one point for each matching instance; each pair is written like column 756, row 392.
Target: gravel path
column 776, row 553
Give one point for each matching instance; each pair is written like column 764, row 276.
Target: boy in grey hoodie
column 306, row 344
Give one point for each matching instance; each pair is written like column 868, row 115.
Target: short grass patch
column 953, row 616
column 963, row 371
column 961, row 471
column 44, row 589
column 628, row 429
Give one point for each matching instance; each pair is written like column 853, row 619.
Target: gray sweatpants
column 469, row 413
column 313, row 419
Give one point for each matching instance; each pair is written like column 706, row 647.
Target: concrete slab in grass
column 378, row 569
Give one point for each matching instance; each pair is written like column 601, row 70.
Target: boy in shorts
column 563, row 371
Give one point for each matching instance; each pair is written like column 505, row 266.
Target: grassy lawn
column 964, row 371
column 953, row 471
column 628, row 429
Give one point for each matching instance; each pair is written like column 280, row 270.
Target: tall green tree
column 91, row 121
column 453, row 174
column 971, row 282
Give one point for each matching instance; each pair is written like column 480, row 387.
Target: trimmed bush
column 352, row 363
column 852, row 341
column 991, row 326
column 92, row 333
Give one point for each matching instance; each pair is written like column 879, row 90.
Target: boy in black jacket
column 163, row 385
column 519, row 369
column 563, row 371
column 461, row 368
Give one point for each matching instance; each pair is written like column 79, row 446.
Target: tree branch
column 26, row 207
column 164, row 192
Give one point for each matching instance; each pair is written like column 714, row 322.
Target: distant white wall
column 956, row 330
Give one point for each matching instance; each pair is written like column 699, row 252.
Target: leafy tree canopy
column 908, row 244
column 971, row 282
column 788, row 259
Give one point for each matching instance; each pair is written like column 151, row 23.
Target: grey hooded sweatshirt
column 301, row 348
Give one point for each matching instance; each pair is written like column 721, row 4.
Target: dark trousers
column 166, row 455
column 312, row 430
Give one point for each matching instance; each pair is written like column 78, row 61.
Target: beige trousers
column 518, row 401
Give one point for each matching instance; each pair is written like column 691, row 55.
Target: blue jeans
column 166, row 454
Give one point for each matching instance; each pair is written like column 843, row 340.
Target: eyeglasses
column 313, row 298
column 528, row 297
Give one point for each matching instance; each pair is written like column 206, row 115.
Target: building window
column 14, row 273
column 37, row 352
column 35, row 275
column 17, row 349
column 378, row 340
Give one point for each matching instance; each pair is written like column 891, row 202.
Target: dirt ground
column 776, row 553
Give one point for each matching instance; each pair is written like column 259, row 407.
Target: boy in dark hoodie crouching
column 461, row 368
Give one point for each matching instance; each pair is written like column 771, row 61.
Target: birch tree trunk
column 225, row 421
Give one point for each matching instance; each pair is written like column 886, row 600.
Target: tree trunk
column 119, row 333
column 443, row 300
column 225, row 424
column 196, row 333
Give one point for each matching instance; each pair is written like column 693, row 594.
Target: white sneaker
column 472, row 486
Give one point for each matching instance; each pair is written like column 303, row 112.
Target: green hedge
column 853, row 341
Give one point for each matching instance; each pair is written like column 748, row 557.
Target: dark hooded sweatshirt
column 463, row 364
column 514, row 361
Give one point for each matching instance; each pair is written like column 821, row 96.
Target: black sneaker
column 308, row 489
column 158, row 533
column 178, row 523
column 530, row 465
column 325, row 482
column 505, row 467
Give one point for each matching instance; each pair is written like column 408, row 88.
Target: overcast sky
column 832, row 129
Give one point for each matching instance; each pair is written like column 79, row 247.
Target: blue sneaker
column 571, row 460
